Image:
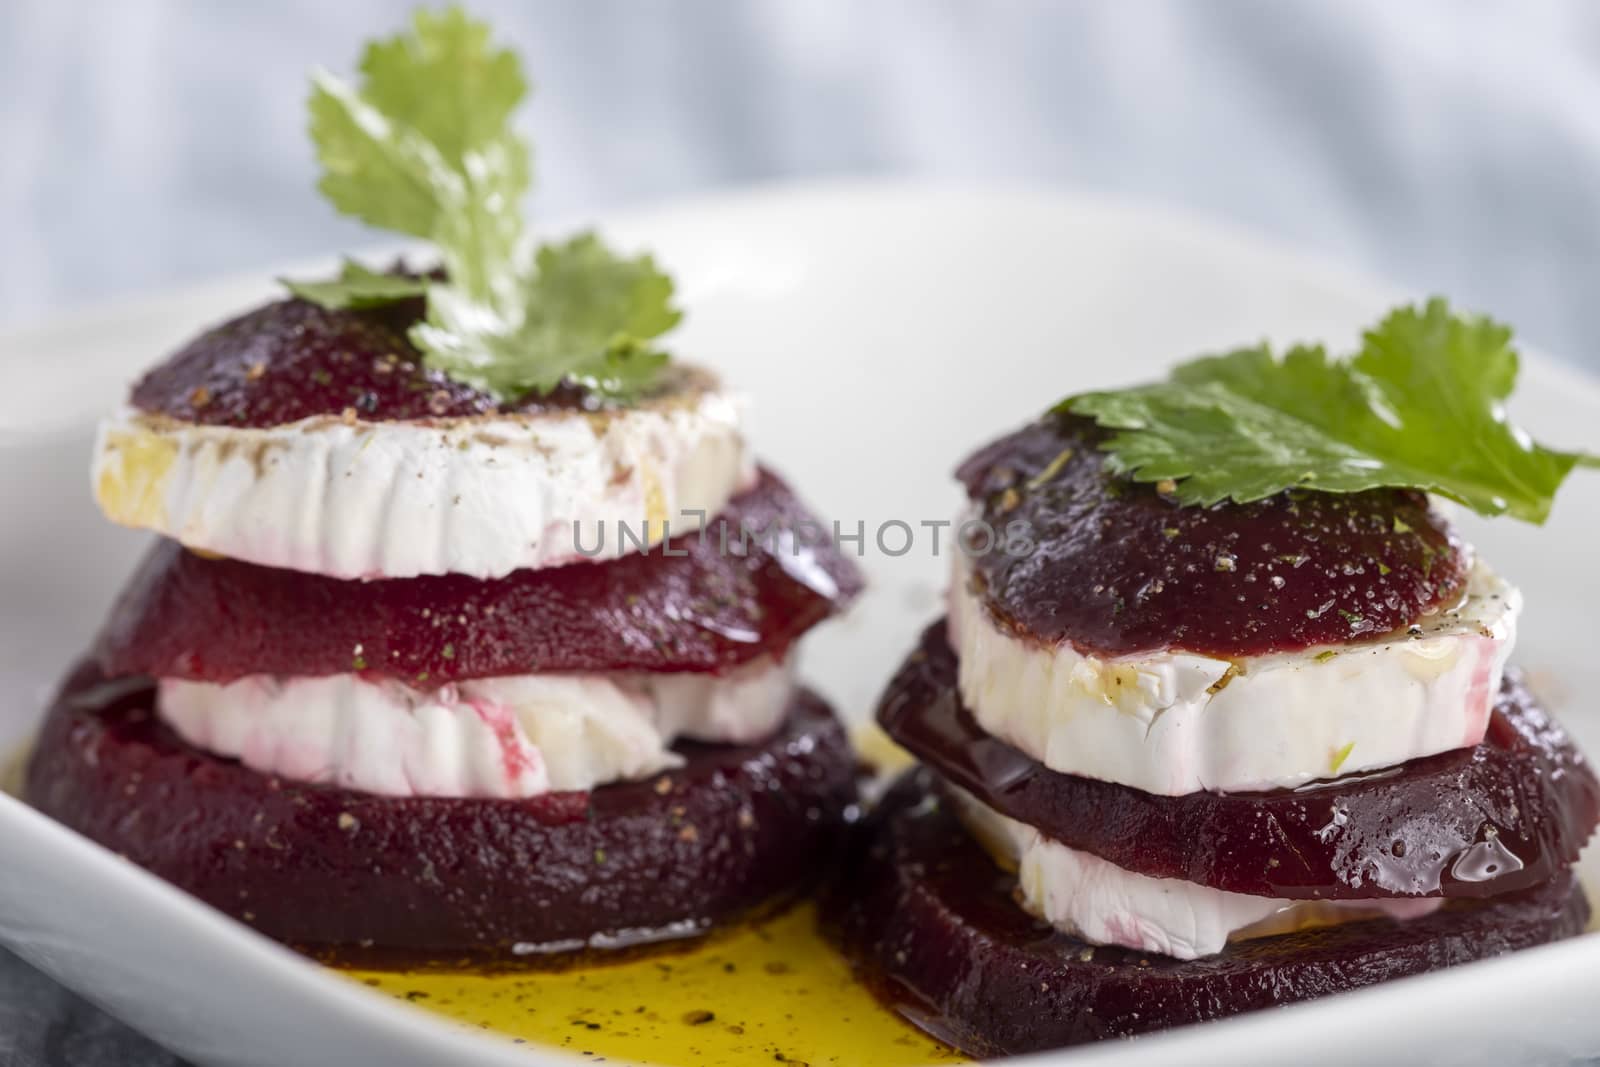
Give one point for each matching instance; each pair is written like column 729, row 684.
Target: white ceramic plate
column 882, row 329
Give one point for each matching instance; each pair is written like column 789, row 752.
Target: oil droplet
column 771, row 992
column 1335, row 822
column 1484, row 860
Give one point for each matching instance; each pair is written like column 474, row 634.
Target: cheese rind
column 1103, row 904
column 480, row 496
column 502, row 737
column 1173, row 722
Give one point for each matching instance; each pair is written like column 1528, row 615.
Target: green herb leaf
column 588, row 315
column 1419, row 406
column 357, row 287
column 380, row 173
column 425, row 147
column 446, row 82
column 1337, row 759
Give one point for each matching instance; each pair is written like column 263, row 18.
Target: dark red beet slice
column 1479, row 822
column 216, row 620
column 291, row 360
column 433, row 879
column 1116, row 567
column 929, row 919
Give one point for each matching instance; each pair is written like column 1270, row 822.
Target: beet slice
column 1506, row 815
column 291, row 360
column 1116, row 568
column 438, row 881
column 929, row 919
column 216, row 620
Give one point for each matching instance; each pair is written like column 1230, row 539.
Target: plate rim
column 1194, row 1043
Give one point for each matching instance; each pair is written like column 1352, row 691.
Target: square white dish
column 881, row 330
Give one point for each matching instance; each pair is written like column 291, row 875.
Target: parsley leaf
column 588, row 317
column 446, row 82
column 425, row 147
column 1420, row 405
column 357, row 287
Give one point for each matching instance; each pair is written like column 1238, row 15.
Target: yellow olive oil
column 13, row 768
column 770, row 992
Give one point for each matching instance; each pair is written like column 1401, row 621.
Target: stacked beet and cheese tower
column 419, row 672
column 1180, row 762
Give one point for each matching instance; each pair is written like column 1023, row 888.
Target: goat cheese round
column 1099, row 902
column 1172, row 722
column 515, row 736
column 479, row 495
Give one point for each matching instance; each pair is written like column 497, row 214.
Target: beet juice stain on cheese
column 1228, row 722
column 439, row 672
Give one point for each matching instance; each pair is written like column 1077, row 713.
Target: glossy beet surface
column 433, row 880
column 215, row 620
column 1117, row 568
column 291, row 360
column 930, row 920
column 1476, row 822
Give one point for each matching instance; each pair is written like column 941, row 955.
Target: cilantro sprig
column 1420, row 405
column 424, row 146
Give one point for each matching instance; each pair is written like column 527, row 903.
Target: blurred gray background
column 1452, row 147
